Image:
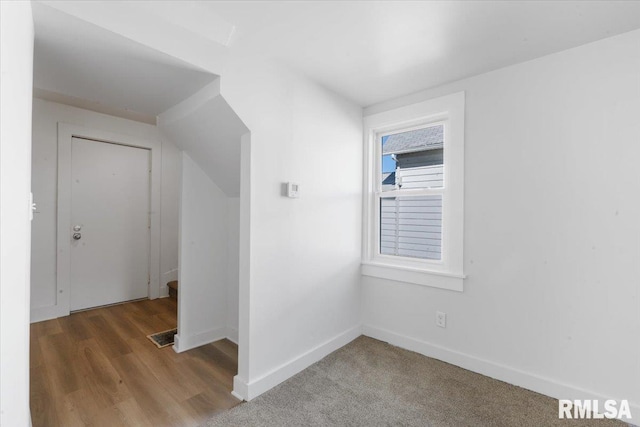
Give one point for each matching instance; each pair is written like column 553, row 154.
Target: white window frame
column 446, row 273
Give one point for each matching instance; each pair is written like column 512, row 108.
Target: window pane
column 411, row 226
column 413, row 159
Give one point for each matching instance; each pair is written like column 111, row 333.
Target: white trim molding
column 63, row 256
column 232, row 335
column 240, row 388
column 508, row 374
column 247, row 391
column 187, row 342
column 434, row 279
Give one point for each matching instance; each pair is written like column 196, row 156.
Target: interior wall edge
column 292, row 367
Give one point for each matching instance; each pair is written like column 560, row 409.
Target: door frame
column 66, row 132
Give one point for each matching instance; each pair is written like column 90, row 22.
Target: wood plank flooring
column 97, row 368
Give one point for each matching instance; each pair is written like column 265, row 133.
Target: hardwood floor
column 97, row 368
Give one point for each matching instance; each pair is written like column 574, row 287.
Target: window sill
column 416, row 276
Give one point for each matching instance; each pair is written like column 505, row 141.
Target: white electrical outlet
column 441, row 319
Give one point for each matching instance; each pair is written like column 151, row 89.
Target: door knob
column 77, row 236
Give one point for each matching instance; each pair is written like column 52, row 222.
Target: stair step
column 173, row 288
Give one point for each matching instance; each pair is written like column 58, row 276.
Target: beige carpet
column 371, row 383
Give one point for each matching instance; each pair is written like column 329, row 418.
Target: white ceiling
column 77, row 59
column 374, row 51
column 368, row 51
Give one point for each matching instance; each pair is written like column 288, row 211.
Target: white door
column 110, row 223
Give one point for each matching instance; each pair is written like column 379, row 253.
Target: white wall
column 202, row 309
column 46, row 115
column 552, row 237
column 303, row 285
column 16, row 67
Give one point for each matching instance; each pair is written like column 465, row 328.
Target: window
column 410, row 196
column 414, row 168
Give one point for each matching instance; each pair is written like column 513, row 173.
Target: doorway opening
column 99, row 94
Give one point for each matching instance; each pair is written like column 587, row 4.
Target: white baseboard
column 240, row 389
column 508, row 374
column 187, row 342
column 232, row 335
column 40, row 314
column 184, row 343
column 248, row 391
column 46, row 313
column 236, row 395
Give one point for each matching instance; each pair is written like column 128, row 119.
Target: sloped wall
column 205, row 126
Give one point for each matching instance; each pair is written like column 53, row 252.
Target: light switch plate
column 292, row 190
